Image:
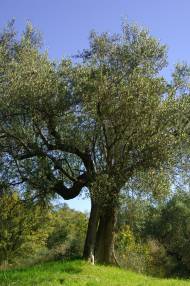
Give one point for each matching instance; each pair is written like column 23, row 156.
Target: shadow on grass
column 72, row 269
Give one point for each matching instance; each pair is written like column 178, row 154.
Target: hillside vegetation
column 80, row 273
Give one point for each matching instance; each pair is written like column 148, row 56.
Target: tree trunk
column 104, row 252
column 91, row 231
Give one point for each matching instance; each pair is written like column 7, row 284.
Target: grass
column 80, row 273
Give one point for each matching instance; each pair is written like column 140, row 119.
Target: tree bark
column 89, row 245
column 104, row 251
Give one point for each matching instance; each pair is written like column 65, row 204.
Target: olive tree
column 96, row 124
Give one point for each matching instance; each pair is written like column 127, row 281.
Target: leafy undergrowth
column 73, row 273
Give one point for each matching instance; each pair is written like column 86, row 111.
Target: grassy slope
column 79, row 273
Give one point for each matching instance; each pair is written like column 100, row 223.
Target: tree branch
column 72, row 192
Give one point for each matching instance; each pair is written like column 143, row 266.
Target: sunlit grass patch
column 73, row 273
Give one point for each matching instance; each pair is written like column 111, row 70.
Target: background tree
column 23, row 230
column 171, row 228
column 68, row 233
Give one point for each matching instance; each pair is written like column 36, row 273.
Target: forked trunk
column 101, row 231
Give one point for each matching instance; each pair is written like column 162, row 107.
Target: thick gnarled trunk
column 104, row 250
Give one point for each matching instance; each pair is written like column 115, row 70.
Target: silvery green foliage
column 109, row 117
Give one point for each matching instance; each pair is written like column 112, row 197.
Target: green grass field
column 79, row 273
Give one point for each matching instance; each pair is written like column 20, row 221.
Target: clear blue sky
column 65, row 26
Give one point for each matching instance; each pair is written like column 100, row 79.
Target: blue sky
column 65, row 26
